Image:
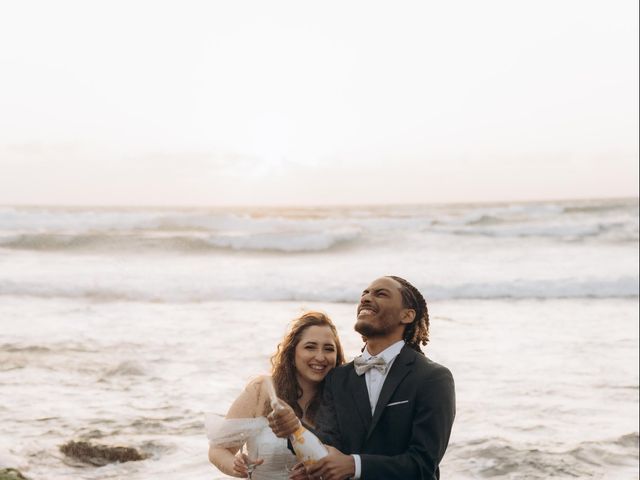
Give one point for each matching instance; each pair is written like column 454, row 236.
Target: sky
column 275, row 102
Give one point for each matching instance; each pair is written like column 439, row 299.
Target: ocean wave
column 136, row 220
column 52, row 348
column 487, row 226
column 19, row 348
column 484, row 220
column 286, row 242
column 296, row 230
column 596, row 207
column 499, row 458
column 8, row 364
column 301, row 240
column 307, row 290
column 126, row 369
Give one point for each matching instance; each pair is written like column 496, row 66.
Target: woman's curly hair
column 283, row 369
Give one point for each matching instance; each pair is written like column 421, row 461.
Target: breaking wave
column 498, row 458
column 300, row 290
column 307, row 230
column 288, row 242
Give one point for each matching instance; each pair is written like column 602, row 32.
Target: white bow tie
column 361, row 365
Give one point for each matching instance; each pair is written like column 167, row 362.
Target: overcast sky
column 299, row 102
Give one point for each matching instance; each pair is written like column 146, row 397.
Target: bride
column 303, row 359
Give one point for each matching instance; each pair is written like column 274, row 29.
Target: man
column 388, row 414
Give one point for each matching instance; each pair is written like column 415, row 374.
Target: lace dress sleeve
column 231, row 432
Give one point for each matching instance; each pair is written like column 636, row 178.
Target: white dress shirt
column 375, row 379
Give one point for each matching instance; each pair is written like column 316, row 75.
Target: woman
column 303, row 359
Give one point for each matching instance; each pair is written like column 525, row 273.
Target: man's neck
column 378, row 345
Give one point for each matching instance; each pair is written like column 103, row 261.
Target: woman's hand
column 283, row 420
column 240, row 463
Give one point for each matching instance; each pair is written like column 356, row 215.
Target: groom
column 388, row 414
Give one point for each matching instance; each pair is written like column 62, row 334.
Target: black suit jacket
column 407, row 435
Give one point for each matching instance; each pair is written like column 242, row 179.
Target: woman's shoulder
column 251, row 401
column 258, row 388
column 259, row 384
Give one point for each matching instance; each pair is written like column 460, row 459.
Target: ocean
column 122, row 326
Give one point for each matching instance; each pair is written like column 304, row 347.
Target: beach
column 122, row 326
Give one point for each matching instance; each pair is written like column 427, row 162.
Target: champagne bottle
column 309, row 449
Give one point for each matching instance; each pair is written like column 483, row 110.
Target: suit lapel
column 400, row 369
column 358, row 387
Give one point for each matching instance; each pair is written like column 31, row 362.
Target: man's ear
column 408, row 315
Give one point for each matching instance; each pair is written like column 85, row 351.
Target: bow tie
column 361, row 365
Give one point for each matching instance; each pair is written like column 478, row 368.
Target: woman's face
column 316, row 354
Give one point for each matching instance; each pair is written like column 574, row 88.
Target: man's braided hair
column 417, row 332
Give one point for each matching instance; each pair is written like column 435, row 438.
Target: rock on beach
column 100, row 455
column 11, row 474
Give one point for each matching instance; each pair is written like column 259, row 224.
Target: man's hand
column 335, row 466
column 298, row 472
column 283, row 420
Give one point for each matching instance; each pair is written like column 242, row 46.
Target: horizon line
column 313, row 206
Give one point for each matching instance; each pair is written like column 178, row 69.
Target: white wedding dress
column 260, row 440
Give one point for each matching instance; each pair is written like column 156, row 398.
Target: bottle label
column 299, row 434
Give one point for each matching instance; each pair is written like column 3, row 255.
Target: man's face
column 380, row 311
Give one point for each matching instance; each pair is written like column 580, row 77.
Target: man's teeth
column 366, row 311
